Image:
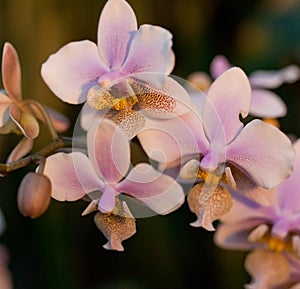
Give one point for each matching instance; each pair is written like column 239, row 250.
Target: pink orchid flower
column 272, row 270
column 244, row 157
column 264, row 103
column 111, row 75
column 16, row 115
column 106, row 170
column 276, row 228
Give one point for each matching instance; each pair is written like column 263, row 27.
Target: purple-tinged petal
column 288, row 191
column 11, row 72
column 88, row 116
column 117, row 27
column 247, row 187
column 267, row 104
column 26, row 122
column 235, row 235
column 263, row 152
column 228, row 97
column 109, row 150
column 60, row 122
column 267, row 269
column 21, row 149
column 274, row 78
column 159, row 192
column 5, row 103
column 167, row 140
column 73, row 70
column 219, row 65
column 72, row 176
column 150, row 51
column 107, row 201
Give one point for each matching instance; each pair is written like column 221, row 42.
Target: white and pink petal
column 109, row 151
column 116, row 29
column 157, row 191
column 263, row 152
column 72, row 176
column 73, row 70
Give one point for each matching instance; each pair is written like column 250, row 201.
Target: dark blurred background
column 61, row 249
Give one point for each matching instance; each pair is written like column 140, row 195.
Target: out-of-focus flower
column 272, row 270
column 275, row 228
column 243, row 157
column 17, row 115
column 103, row 175
column 111, row 76
column 264, row 103
column 5, row 276
column 34, row 195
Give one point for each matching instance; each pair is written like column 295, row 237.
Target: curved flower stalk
column 18, row 115
column 264, row 102
column 111, row 75
column 243, row 157
column 104, row 175
column 275, row 228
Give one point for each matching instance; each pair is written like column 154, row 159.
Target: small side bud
column 34, row 195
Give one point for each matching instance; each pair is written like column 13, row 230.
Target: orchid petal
column 265, row 103
column 263, row 152
column 235, row 235
column 73, row 70
column 117, row 27
column 201, row 80
column 246, row 186
column 26, row 122
column 107, row 201
column 268, row 269
column 167, row 140
column 79, row 177
column 150, row 51
column 89, row 116
column 212, row 209
column 219, row 65
column 109, row 151
column 21, row 149
column 60, row 122
column 228, row 96
column 5, row 102
column 274, row 78
column 160, row 96
column 159, row 192
column 288, row 191
column 11, row 72
column 116, row 227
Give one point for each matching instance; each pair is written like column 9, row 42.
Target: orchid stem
column 35, row 158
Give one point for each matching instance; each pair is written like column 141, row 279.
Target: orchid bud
column 34, row 195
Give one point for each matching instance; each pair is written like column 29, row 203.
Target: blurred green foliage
column 61, row 249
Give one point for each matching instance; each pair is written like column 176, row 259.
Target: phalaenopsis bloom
column 210, row 143
column 104, row 174
column 264, row 102
column 272, row 231
column 18, row 115
column 124, row 74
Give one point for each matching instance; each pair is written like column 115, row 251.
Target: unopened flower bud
column 34, row 195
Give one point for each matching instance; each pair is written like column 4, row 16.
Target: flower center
column 123, row 103
column 262, row 234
